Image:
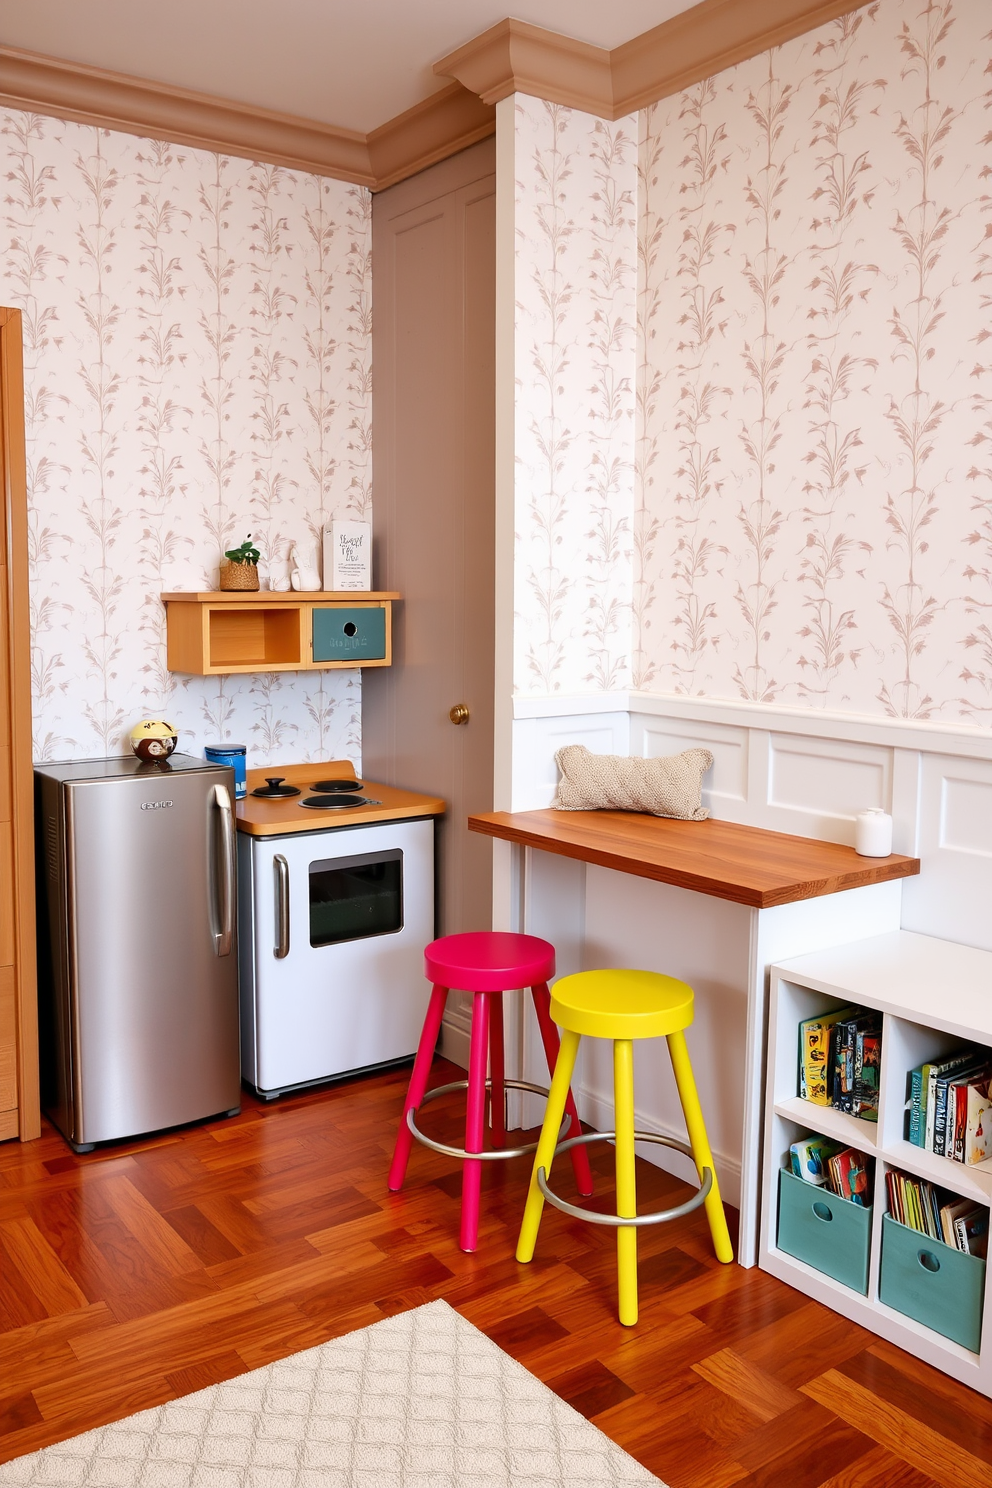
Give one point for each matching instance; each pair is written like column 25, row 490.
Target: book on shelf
column 808, row 1158
column 843, row 1170
column 867, row 1061
column 915, row 1106
column 951, row 1064
column 850, row 1176
column 839, row 1060
column 849, row 1035
column 937, row 1213
column 971, row 1231
column 978, row 1123
column 944, row 1111
column 816, row 1055
column 949, row 1106
column 949, row 1138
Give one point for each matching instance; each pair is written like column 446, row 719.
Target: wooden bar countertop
column 262, row 818
column 748, row 865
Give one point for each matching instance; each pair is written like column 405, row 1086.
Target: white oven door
column 340, row 920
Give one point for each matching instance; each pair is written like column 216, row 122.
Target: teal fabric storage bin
column 928, row 1281
column 349, row 634
column 827, row 1232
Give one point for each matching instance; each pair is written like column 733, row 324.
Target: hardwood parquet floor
column 136, row 1274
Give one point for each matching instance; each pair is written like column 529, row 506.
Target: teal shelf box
column 828, row 1233
column 349, row 633
column 929, row 1281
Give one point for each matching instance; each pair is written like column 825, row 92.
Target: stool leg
column 623, row 1109
column 418, row 1086
column 702, row 1156
column 475, row 1113
column 549, row 1036
column 497, row 1100
column 560, row 1081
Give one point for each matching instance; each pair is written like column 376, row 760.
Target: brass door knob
column 459, row 713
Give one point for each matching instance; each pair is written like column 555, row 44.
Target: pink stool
column 486, row 963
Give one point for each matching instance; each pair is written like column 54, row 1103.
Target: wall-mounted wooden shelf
column 218, row 633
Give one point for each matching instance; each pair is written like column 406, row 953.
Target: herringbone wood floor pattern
column 137, row 1274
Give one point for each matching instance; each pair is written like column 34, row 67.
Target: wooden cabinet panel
column 8, row 1041
column 8, row 945
column 5, row 792
column 19, row 1039
column 4, row 656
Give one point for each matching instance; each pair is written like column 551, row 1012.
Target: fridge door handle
column 281, row 947
column 224, row 937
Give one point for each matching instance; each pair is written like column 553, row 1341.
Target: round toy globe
column 154, row 739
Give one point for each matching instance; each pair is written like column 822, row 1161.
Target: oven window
column 353, row 898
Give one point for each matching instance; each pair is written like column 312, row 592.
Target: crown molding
column 111, row 100
column 514, row 57
column 443, row 124
column 705, row 40
column 449, row 121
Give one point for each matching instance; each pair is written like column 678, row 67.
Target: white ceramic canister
column 873, row 833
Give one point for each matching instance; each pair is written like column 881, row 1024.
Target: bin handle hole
column 822, row 1211
column 928, row 1260
column 350, row 628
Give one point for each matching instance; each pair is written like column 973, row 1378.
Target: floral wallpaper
column 814, row 521
column 575, row 365
column 197, row 334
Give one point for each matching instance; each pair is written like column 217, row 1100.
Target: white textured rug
column 422, row 1400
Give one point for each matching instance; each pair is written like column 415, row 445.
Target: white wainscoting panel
column 816, row 787
column 965, row 814
column 952, row 898
column 725, row 783
column 801, row 784
column 535, row 774
column 907, row 777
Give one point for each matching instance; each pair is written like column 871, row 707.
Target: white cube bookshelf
column 934, row 995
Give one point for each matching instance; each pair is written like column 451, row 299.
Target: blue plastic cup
column 234, row 755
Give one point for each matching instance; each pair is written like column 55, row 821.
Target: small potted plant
column 241, row 569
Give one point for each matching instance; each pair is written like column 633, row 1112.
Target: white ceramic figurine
column 305, row 576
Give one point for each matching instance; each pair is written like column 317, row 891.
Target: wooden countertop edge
column 882, row 870
column 279, row 596
column 361, row 816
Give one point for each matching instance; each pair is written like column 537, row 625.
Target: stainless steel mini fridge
column 138, row 964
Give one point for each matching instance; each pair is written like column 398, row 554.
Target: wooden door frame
column 13, row 462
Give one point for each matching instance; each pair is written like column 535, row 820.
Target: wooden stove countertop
column 748, row 865
column 275, row 818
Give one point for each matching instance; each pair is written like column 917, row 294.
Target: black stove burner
column 336, row 785
column 274, row 790
column 334, row 802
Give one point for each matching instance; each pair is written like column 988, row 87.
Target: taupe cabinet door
column 20, row 1110
column 433, row 344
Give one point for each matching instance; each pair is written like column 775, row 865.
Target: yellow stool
column 623, row 1006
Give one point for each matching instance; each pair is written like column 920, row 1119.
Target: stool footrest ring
column 620, row 1221
column 497, row 1154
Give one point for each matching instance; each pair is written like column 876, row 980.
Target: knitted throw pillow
column 664, row 787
